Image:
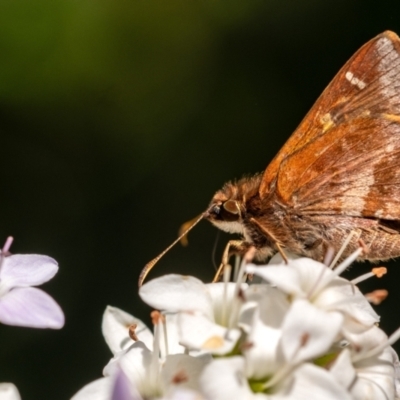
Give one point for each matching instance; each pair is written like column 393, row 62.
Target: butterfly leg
column 272, row 238
column 233, row 246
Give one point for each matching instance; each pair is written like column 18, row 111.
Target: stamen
column 348, row 261
column 377, row 296
column 288, row 367
column 362, row 244
column 236, row 301
column 336, row 272
column 342, row 249
column 279, row 375
column 329, row 256
column 316, row 288
column 236, row 268
column 156, row 318
column 378, row 272
column 132, row 332
column 226, row 276
column 165, row 332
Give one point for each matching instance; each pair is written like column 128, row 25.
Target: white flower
column 20, row 303
column 208, row 314
column 368, row 369
column 115, row 327
column 271, row 354
column 145, row 377
column 136, row 372
column 304, row 278
column 305, row 334
column 225, row 379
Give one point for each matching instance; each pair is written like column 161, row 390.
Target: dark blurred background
column 120, row 119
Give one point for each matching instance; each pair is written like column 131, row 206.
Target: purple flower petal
column 27, row 270
column 30, row 307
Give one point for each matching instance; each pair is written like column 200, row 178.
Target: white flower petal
column 341, row 295
column 272, row 302
column 262, row 353
column 171, row 336
column 375, row 378
column 138, row 364
column 224, row 379
column 177, row 293
column 183, row 394
column 396, row 365
column 308, row 332
column 216, row 292
column 30, row 307
column 312, row 382
column 96, row 390
column 278, row 260
column 115, row 325
column 342, row 369
column 21, row 270
column 8, row 391
column 183, row 371
column 285, row 278
column 365, row 339
column 199, row 333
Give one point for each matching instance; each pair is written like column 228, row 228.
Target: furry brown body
column 338, row 173
column 302, row 234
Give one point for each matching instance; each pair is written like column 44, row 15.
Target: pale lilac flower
column 20, row 303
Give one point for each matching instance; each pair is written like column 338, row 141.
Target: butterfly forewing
column 344, row 158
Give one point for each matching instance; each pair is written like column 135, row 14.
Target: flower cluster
column 297, row 331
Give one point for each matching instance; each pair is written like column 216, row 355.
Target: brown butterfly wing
column 344, row 158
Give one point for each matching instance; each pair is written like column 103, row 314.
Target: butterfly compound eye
column 230, row 211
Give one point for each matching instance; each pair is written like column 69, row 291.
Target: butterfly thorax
column 238, row 208
column 266, row 222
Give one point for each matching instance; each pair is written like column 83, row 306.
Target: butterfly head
column 226, row 215
column 228, row 206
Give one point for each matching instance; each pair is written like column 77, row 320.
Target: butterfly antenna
column 149, row 266
column 342, row 249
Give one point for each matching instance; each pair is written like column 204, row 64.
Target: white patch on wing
column 355, row 81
